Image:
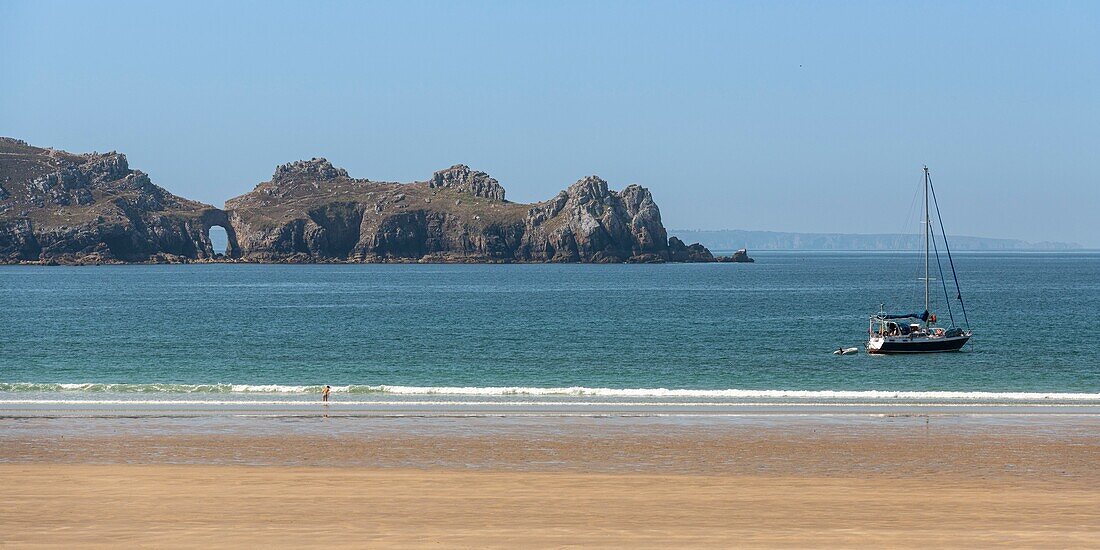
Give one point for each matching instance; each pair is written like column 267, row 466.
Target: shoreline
column 451, row 407
column 686, row 406
column 720, row 256
column 174, row 391
column 433, row 260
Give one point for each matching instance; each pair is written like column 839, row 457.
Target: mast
column 927, row 229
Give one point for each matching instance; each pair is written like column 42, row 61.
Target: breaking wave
column 573, row 391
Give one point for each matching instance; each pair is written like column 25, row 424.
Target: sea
column 565, row 336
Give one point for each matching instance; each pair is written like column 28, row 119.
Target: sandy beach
column 224, row 506
column 551, row 482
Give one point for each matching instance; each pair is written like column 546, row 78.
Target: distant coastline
column 731, row 239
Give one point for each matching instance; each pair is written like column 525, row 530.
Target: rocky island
column 59, row 207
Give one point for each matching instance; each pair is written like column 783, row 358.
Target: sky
column 786, row 116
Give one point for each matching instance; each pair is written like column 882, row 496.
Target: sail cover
column 921, row 316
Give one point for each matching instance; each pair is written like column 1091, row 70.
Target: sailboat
column 920, row 332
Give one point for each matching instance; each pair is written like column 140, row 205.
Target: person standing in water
column 325, row 392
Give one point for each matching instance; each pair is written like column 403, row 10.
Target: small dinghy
column 845, row 351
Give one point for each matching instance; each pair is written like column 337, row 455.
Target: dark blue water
column 768, row 325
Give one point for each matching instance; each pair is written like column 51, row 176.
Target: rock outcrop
column 60, row 207
column 590, row 223
column 460, row 178
column 680, row 252
column 310, row 211
column 92, row 208
column 739, row 257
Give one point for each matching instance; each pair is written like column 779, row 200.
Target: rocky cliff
column 312, row 211
column 89, row 208
column 60, row 207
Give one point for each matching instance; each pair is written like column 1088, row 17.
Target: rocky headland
column 58, row 207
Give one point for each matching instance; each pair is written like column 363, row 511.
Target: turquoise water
column 764, row 326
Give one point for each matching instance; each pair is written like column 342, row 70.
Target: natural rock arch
column 216, row 234
column 218, row 218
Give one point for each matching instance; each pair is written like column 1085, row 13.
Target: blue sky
column 794, row 116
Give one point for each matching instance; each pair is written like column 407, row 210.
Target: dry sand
column 883, row 486
column 164, row 505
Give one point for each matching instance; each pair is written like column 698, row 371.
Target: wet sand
column 898, row 482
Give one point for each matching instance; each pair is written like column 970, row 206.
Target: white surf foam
column 566, row 392
column 732, row 393
column 510, row 405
